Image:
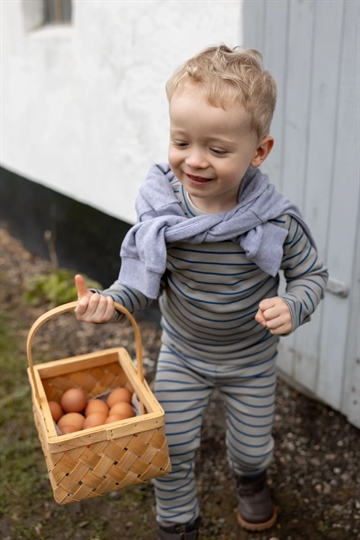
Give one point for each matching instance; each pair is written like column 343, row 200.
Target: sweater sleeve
column 131, row 299
column 306, row 276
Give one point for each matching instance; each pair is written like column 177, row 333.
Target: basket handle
column 70, row 307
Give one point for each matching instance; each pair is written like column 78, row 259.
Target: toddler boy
column 211, row 237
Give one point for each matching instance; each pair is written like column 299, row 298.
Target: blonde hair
column 229, row 75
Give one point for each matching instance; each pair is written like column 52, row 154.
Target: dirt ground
column 315, row 476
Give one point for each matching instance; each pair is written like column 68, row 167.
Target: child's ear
column 263, row 150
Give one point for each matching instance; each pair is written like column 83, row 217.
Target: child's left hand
column 274, row 314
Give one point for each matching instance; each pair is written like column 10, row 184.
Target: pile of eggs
column 75, row 413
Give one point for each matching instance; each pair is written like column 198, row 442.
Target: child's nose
column 196, row 159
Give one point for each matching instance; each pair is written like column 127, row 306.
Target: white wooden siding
column 312, row 49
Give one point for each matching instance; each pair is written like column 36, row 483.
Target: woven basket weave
column 102, row 459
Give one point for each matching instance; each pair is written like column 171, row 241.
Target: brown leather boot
column 256, row 511
column 180, row 532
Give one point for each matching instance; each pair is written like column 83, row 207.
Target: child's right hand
column 92, row 307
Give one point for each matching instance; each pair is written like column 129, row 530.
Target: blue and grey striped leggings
column 183, row 387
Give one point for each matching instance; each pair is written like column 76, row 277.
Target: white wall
column 84, row 109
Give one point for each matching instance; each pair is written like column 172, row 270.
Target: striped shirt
column 211, row 292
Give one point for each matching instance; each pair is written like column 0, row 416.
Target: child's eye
column 218, row 151
column 180, row 144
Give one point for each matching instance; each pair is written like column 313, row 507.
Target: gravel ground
column 315, row 476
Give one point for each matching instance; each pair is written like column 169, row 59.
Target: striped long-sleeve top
column 211, row 291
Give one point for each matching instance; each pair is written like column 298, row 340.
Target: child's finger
column 271, row 313
column 82, row 306
column 280, row 325
column 81, row 287
column 109, row 312
column 100, row 309
column 274, row 314
column 86, row 307
column 280, row 329
column 259, row 317
column 273, row 308
column 275, row 323
column 268, row 303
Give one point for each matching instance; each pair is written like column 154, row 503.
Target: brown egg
column 96, row 405
column 119, row 394
column 68, row 429
column 124, row 409
column 56, row 410
column 72, row 419
column 95, row 419
column 73, row 400
column 114, row 418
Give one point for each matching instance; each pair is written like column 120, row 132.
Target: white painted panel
column 342, row 224
column 253, row 24
column 288, row 31
column 351, row 388
column 296, row 128
column 319, row 173
column 297, row 110
column 275, row 59
column 265, row 29
column 276, row 51
column 323, row 114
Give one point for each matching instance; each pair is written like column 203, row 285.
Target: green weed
column 54, row 288
column 13, row 374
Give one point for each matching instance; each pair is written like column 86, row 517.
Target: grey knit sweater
column 162, row 221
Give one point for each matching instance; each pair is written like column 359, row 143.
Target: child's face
column 210, row 149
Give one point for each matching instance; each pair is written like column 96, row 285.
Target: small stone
column 326, row 488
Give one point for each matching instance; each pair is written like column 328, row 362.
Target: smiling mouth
column 199, row 179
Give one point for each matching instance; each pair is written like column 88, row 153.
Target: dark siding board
column 87, row 240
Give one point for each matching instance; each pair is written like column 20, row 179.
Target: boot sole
column 257, row 526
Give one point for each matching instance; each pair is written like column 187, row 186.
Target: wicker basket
column 106, row 458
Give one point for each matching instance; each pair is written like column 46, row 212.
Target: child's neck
column 203, row 206
column 193, row 206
